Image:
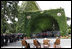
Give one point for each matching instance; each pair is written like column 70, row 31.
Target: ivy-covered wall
column 41, row 20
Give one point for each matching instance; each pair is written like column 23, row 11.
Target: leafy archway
column 43, row 23
column 40, row 19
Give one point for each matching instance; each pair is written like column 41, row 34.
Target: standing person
column 58, row 34
column 52, row 34
column 2, row 40
column 47, row 34
column 6, row 39
column 33, row 35
column 11, row 38
column 41, row 35
column 44, row 35
column 38, row 35
column 17, row 37
column 23, row 36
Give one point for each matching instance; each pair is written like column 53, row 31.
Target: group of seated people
column 37, row 44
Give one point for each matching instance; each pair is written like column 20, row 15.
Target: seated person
column 25, row 44
column 36, row 43
column 46, row 43
column 57, row 43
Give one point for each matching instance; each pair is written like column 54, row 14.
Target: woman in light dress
column 46, row 43
column 57, row 43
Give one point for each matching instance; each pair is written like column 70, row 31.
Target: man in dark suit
column 2, row 40
column 6, row 39
column 10, row 38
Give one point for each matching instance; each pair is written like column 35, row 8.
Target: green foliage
column 42, row 23
column 42, row 20
column 69, row 31
column 21, row 23
column 9, row 9
column 28, row 6
column 3, row 26
column 31, row 6
column 8, row 12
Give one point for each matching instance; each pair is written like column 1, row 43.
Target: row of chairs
column 37, row 44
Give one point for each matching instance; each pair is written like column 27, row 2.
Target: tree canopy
column 8, row 12
column 29, row 6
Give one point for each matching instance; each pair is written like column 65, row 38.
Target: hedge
column 42, row 20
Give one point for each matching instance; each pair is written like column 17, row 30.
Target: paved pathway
column 65, row 43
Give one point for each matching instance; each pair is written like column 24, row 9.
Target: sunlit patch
column 59, row 14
